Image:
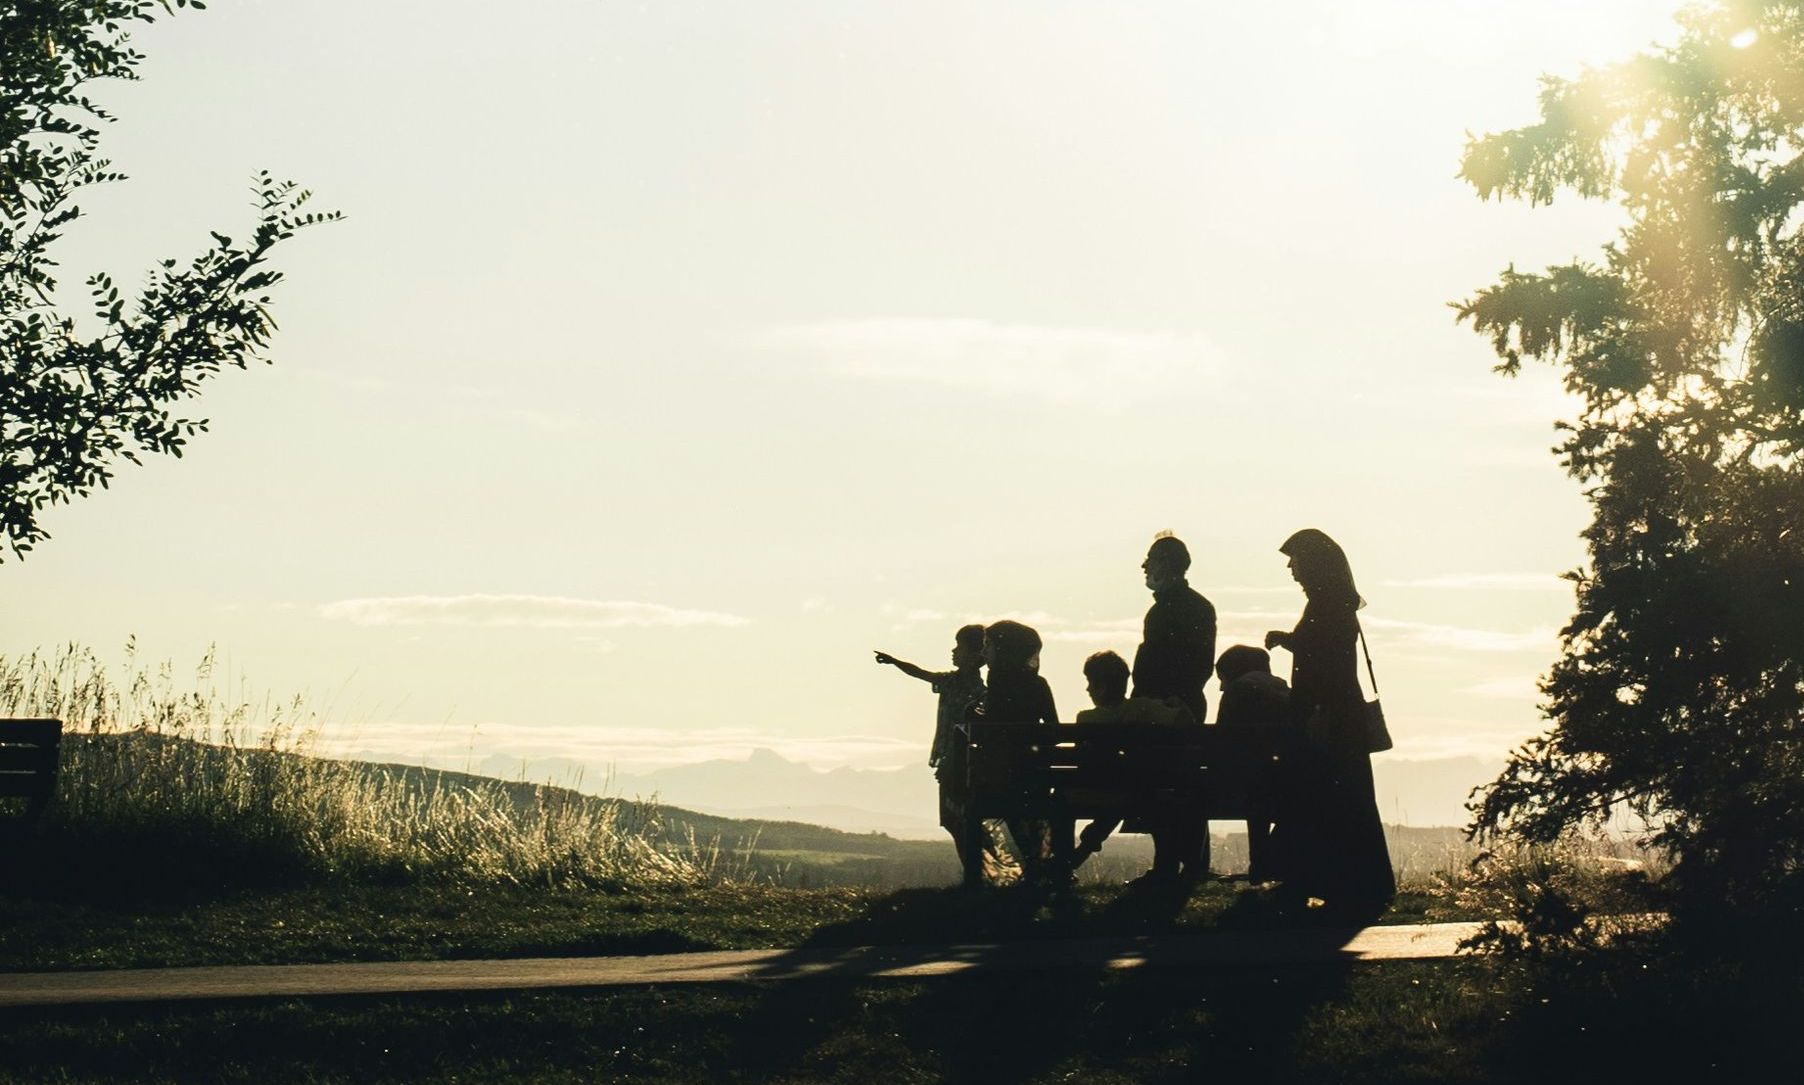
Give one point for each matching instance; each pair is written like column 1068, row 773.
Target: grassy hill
column 783, row 852
column 169, row 807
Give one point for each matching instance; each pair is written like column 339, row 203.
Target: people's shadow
column 1018, row 985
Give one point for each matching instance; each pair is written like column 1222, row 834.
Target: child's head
column 1242, row 659
column 1106, row 677
column 1010, row 646
column 967, row 647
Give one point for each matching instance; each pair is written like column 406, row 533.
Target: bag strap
column 1370, row 673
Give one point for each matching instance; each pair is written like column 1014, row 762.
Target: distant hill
column 846, row 818
column 797, row 853
column 903, row 803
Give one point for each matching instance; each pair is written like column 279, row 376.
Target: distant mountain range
column 903, row 803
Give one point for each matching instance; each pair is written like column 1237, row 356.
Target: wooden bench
column 1145, row 773
column 28, row 761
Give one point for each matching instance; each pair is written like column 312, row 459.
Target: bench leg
column 1258, row 840
column 1181, row 845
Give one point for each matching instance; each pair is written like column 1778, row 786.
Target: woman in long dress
column 1333, row 845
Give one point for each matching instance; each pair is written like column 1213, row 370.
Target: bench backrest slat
column 32, row 732
column 28, row 758
column 1093, row 767
column 32, row 759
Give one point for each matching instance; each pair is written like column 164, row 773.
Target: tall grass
column 163, row 777
column 1564, row 899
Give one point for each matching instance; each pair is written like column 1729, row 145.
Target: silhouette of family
column 1313, row 830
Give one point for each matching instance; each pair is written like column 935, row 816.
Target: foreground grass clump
column 173, row 787
column 1572, row 896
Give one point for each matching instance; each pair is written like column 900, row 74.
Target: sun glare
column 1745, row 38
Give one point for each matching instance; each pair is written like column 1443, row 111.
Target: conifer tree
column 1680, row 688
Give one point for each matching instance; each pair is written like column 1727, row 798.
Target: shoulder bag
column 1373, row 734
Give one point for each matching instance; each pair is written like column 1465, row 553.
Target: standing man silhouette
column 1175, row 659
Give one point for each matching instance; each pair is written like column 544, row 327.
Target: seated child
column 1016, row 693
column 1252, row 696
column 1106, row 680
column 958, row 689
column 1107, row 683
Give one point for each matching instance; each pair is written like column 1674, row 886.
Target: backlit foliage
column 75, row 401
column 1680, row 689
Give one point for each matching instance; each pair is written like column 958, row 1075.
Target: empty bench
column 1145, row 773
column 28, row 760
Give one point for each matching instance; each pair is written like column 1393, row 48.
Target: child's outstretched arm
column 907, row 668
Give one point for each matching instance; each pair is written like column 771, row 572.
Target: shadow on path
column 1137, row 988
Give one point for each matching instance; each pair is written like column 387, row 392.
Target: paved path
column 731, row 966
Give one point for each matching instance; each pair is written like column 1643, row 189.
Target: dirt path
column 731, row 966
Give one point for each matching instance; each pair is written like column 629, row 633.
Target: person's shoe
column 1155, row 879
column 1191, row 877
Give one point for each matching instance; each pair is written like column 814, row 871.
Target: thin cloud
column 1522, row 687
column 1467, row 640
column 1484, row 582
column 1285, row 618
column 1037, row 618
column 1249, row 627
column 1093, row 366
column 356, row 382
column 1486, row 743
column 1025, row 617
column 1526, row 400
column 517, row 611
column 1095, row 635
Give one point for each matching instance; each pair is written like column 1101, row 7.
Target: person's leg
column 1031, row 844
column 1061, row 853
column 1090, row 841
column 962, row 828
column 970, row 841
column 1196, row 847
column 1168, row 851
column 1258, row 841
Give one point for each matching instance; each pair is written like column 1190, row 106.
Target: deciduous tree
column 74, row 402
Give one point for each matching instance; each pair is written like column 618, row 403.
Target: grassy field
column 169, row 786
column 190, row 830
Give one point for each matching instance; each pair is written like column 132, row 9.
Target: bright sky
column 673, row 356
